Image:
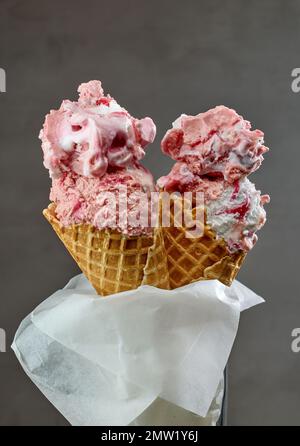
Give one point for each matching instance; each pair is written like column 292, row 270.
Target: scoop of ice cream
column 233, row 210
column 88, row 136
column 117, row 200
column 218, row 142
column 237, row 214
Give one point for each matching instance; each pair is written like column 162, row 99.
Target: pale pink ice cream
column 237, row 213
column 215, row 151
column 96, row 201
column 91, row 147
column 87, row 136
column 181, row 179
column 218, row 142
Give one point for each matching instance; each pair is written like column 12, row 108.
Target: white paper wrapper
column 142, row 357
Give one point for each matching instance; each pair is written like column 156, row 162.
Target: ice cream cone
column 113, row 262
column 198, row 258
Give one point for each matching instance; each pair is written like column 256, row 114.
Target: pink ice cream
column 181, row 179
column 96, row 201
column 87, row 136
column 237, row 214
column 92, row 149
column 218, row 142
column 215, row 151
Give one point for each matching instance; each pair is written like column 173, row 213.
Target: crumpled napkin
column 110, row 361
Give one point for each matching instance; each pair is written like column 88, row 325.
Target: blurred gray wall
column 157, row 58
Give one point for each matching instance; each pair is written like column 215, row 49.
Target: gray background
column 157, row 58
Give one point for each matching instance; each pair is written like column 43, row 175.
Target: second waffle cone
column 198, row 258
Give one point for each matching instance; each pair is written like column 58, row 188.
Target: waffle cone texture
column 111, row 261
column 198, row 258
column 114, row 262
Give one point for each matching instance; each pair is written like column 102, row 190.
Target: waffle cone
column 111, row 261
column 199, row 258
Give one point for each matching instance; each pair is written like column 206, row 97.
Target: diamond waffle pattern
column 112, row 261
column 192, row 259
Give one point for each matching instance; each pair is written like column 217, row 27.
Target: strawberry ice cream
column 215, row 151
column 237, row 213
column 218, row 142
column 96, row 201
column 92, row 148
column 87, row 136
column 181, row 179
